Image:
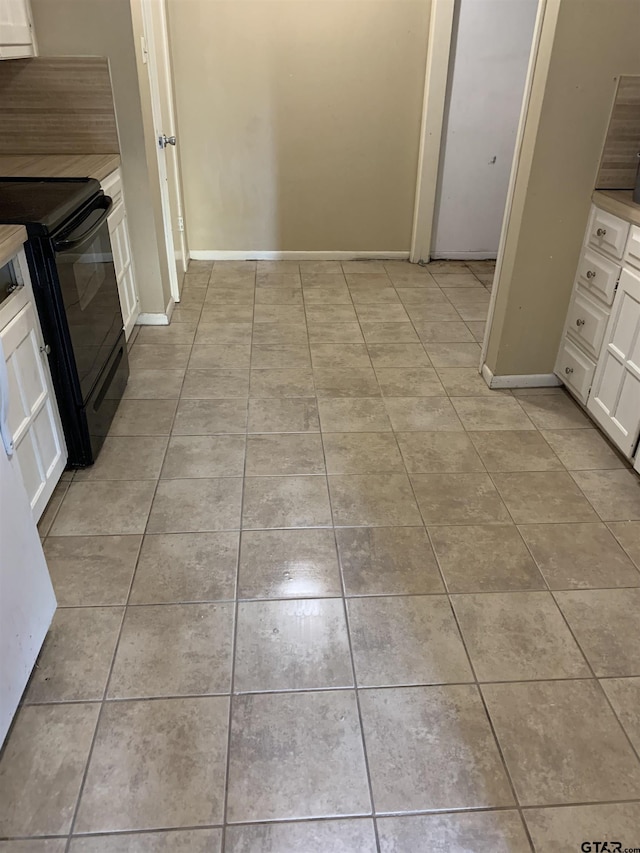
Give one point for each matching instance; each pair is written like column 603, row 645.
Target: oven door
column 89, row 290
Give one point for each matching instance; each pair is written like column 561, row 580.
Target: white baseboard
column 216, row 255
column 463, row 256
column 525, row 380
column 145, row 319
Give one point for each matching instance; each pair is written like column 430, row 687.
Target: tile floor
column 324, row 591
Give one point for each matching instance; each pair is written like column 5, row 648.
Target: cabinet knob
column 601, row 232
column 568, row 370
column 591, row 274
column 45, row 349
column 579, row 322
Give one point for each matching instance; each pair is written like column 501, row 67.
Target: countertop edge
column 618, row 203
column 12, row 238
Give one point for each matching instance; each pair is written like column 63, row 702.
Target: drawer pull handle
column 579, row 322
column 591, row 274
column 601, row 232
column 568, row 370
column 46, row 349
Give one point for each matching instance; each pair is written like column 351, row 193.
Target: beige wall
column 592, row 43
column 298, row 122
column 104, row 28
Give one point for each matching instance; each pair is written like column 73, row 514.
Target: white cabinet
column 614, row 401
column 119, row 233
column 33, row 417
column 16, row 30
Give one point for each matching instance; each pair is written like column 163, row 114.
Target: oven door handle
column 102, row 202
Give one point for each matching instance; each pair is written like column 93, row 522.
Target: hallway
column 324, row 591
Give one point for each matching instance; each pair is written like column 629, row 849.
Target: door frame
column 154, row 21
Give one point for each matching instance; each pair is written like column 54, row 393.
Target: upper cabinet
column 17, row 39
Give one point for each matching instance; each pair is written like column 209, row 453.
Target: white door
column 615, row 396
column 16, row 39
column 158, row 62
column 27, row 600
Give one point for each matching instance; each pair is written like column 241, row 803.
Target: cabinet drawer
column 575, row 369
column 598, row 275
column 632, row 254
column 608, row 233
column 586, row 322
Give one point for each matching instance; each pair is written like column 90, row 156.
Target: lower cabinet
column 33, row 418
column 119, row 233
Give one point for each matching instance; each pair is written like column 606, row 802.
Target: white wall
column 491, row 43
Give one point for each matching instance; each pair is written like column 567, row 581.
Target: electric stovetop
column 43, row 204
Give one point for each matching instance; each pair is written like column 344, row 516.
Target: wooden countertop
column 619, row 203
column 11, row 239
column 96, row 166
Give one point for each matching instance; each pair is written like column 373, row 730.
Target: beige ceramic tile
column 431, row 452
column 518, row 636
column 387, row 561
column 310, row 836
column 227, row 313
column 181, row 567
column 280, row 355
column 410, row 295
column 398, row 355
column 440, row 311
column 104, row 508
column 515, row 450
column 320, row 267
column 560, row 829
column 360, row 414
column 41, row 768
column 190, row 506
column 465, row 770
column 51, row 510
column 162, row 763
column 539, row 497
column 458, row 499
column 373, row 295
column 215, row 384
column 466, row 382
column 310, row 743
column 460, row 279
column 146, row 384
column 484, row 558
column 373, row 500
column 491, row 413
column 288, row 295
column 444, row 333
column 330, row 313
column 364, row 267
column 283, row 415
column 382, row 333
column 339, row 355
column 288, row 564
column 422, row 414
column 218, row 356
column 35, row 845
column 292, row 645
column 361, row 453
column 344, row 333
column 561, row 742
column 208, row 417
column 406, row 640
column 143, row 417
column 606, row 623
column 409, row 382
column 288, row 453
column 285, row 502
column 204, row 456
column 624, row 695
column 454, row 355
column 90, row 570
column 381, row 313
column 555, row 412
column 173, row 650
column 175, row 841
column 628, row 535
column 155, row 357
column 499, row 832
column 615, row 495
column 76, row 655
column 223, row 333
column 579, row 556
column 267, row 334
column 583, row 449
column 282, row 382
column 327, row 295
column 341, row 382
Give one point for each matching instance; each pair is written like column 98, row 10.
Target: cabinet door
column 33, row 415
column 15, row 29
column 127, row 291
column 615, row 396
